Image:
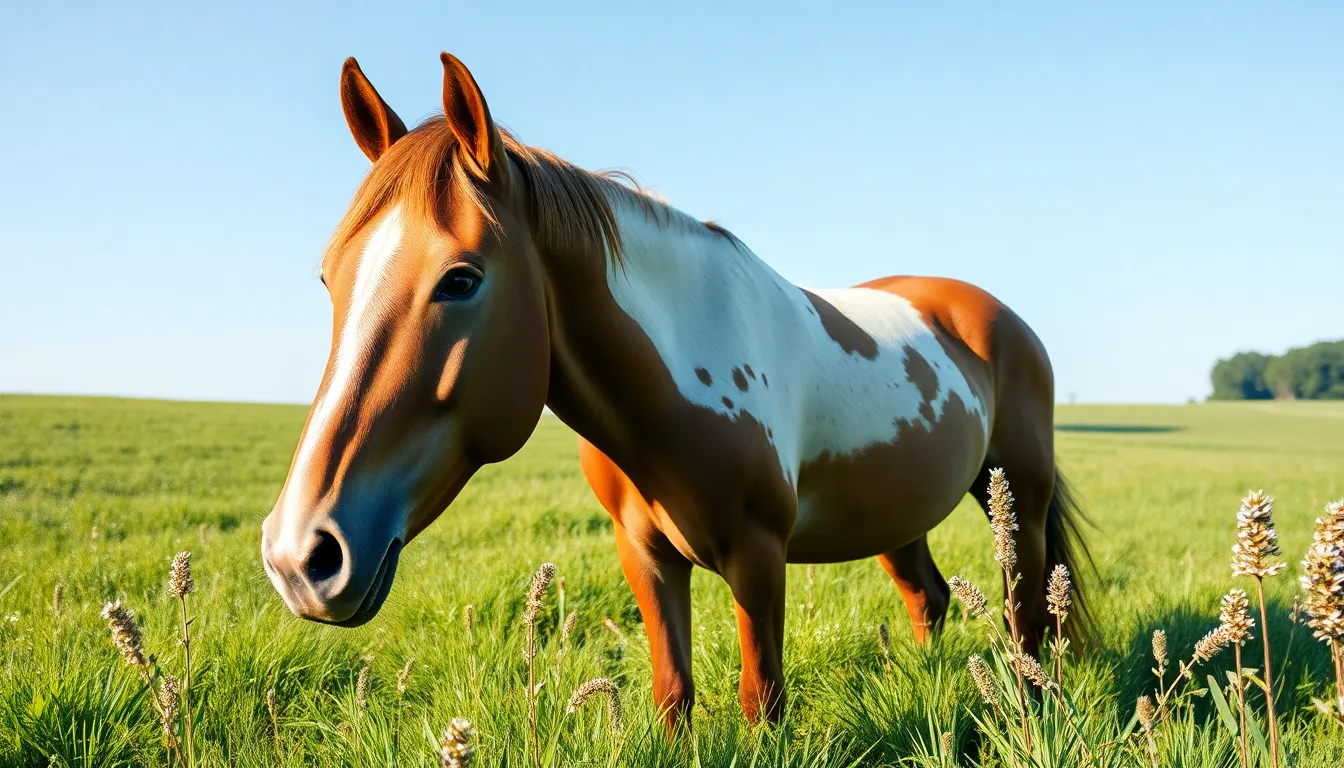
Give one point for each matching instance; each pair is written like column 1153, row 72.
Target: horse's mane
column 570, row 209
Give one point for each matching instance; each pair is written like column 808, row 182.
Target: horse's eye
column 458, row 284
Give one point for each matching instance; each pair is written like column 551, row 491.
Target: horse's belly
column 887, row 495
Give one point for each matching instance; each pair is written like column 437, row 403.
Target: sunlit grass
column 97, row 496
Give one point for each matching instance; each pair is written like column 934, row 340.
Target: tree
column 1241, row 377
column 1308, row 373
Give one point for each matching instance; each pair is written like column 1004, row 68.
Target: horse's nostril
column 325, row 560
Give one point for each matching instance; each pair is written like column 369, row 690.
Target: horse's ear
column 469, row 119
column 374, row 125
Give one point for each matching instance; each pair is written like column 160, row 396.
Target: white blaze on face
column 361, row 320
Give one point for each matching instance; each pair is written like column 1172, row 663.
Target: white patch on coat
column 371, row 272
column 705, row 302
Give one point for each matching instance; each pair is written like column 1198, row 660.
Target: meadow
column 97, row 495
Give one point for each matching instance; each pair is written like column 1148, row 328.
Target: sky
column 1151, row 187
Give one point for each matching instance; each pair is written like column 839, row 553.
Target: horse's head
column 439, row 358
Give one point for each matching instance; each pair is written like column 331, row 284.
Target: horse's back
column 972, row 317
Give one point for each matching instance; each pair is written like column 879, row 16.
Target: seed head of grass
column 615, row 630
column 469, row 617
column 1234, row 616
column 1032, row 670
column 571, row 622
column 1332, row 709
column 180, row 583
column 1146, row 712
column 1160, row 648
column 1256, row 540
column 1323, row 577
column 883, row 639
column 970, row 596
column 984, row 680
column 1002, row 520
column 170, row 699
column 1059, row 592
column 57, row 596
column 362, row 690
column 270, row 703
column 607, row 689
column 404, row 675
column 1209, row 645
column 948, row 745
column 541, row 581
column 458, row 744
column 125, row 634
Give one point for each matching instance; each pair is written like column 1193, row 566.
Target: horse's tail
column 1064, row 545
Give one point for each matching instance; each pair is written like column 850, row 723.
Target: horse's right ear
column 374, row 125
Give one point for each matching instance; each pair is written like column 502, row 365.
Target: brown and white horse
column 728, row 418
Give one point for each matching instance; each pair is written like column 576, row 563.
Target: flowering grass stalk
column 1058, row 600
column 181, row 584
column 1205, row 649
column 1023, row 667
column 1003, row 523
column 458, row 745
column 1257, row 542
column 1234, row 618
column 1147, row 715
column 403, row 677
column 129, row 641
column 1323, row 584
column 272, row 709
column 607, row 689
column 541, row 581
column 1160, row 658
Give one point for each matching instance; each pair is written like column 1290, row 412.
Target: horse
column 727, row 418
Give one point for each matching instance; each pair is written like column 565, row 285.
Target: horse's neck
column 686, row 312
column 703, row 299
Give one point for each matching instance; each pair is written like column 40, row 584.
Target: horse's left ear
column 469, row 119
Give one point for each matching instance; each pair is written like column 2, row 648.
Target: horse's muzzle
column 322, row 579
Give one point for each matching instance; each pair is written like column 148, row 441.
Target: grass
column 97, row 495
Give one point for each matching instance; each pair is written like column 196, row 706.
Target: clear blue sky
column 1151, row 187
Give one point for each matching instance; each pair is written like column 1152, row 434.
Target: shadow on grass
column 1120, row 429
column 1301, row 663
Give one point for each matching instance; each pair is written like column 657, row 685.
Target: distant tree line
column 1304, row 373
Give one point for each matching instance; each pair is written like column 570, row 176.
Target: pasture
column 97, row 495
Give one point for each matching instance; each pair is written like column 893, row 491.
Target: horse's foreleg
column 755, row 573
column 921, row 586
column 661, row 580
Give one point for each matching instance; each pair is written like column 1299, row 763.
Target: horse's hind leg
column 921, row 586
column 1029, row 467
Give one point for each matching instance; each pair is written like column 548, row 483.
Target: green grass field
column 96, row 495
